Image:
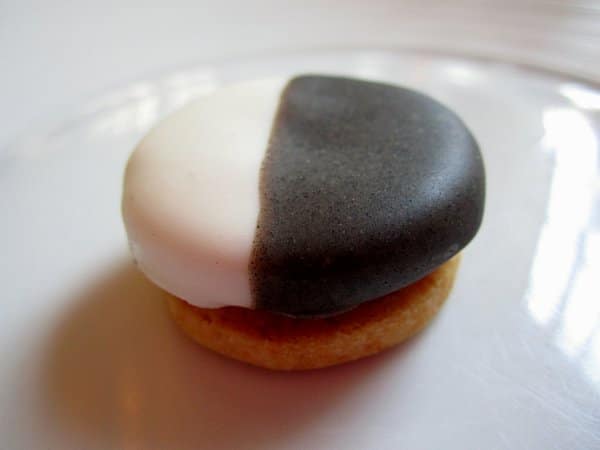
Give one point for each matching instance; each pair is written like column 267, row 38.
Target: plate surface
column 92, row 360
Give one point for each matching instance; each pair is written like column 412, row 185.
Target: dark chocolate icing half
column 365, row 188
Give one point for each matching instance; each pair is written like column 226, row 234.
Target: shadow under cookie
column 117, row 372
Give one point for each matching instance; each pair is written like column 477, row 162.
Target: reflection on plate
column 513, row 361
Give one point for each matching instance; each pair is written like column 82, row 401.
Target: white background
column 57, row 54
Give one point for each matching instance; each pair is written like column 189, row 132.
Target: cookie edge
column 277, row 342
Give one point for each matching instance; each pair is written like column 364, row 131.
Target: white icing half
column 191, row 199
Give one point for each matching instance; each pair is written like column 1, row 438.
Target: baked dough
column 279, row 342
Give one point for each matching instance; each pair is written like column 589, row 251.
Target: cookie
column 274, row 341
column 304, row 222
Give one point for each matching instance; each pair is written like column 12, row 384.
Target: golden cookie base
column 278, row 342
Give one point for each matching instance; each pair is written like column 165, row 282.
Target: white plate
column 92, row 360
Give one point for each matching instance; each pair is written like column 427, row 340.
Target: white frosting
column 191, row 199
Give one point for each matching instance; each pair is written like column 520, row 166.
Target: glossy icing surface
column 304, row 197
column 190, row 201
column 366, row 188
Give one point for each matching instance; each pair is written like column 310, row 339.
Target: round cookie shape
column 365, row 189
column 304, row 197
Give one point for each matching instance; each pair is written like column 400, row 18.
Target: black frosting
column 365, row 188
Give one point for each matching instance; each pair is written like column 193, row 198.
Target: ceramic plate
column 91, row 359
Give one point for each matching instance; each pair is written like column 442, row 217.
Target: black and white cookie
column 303, row 196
